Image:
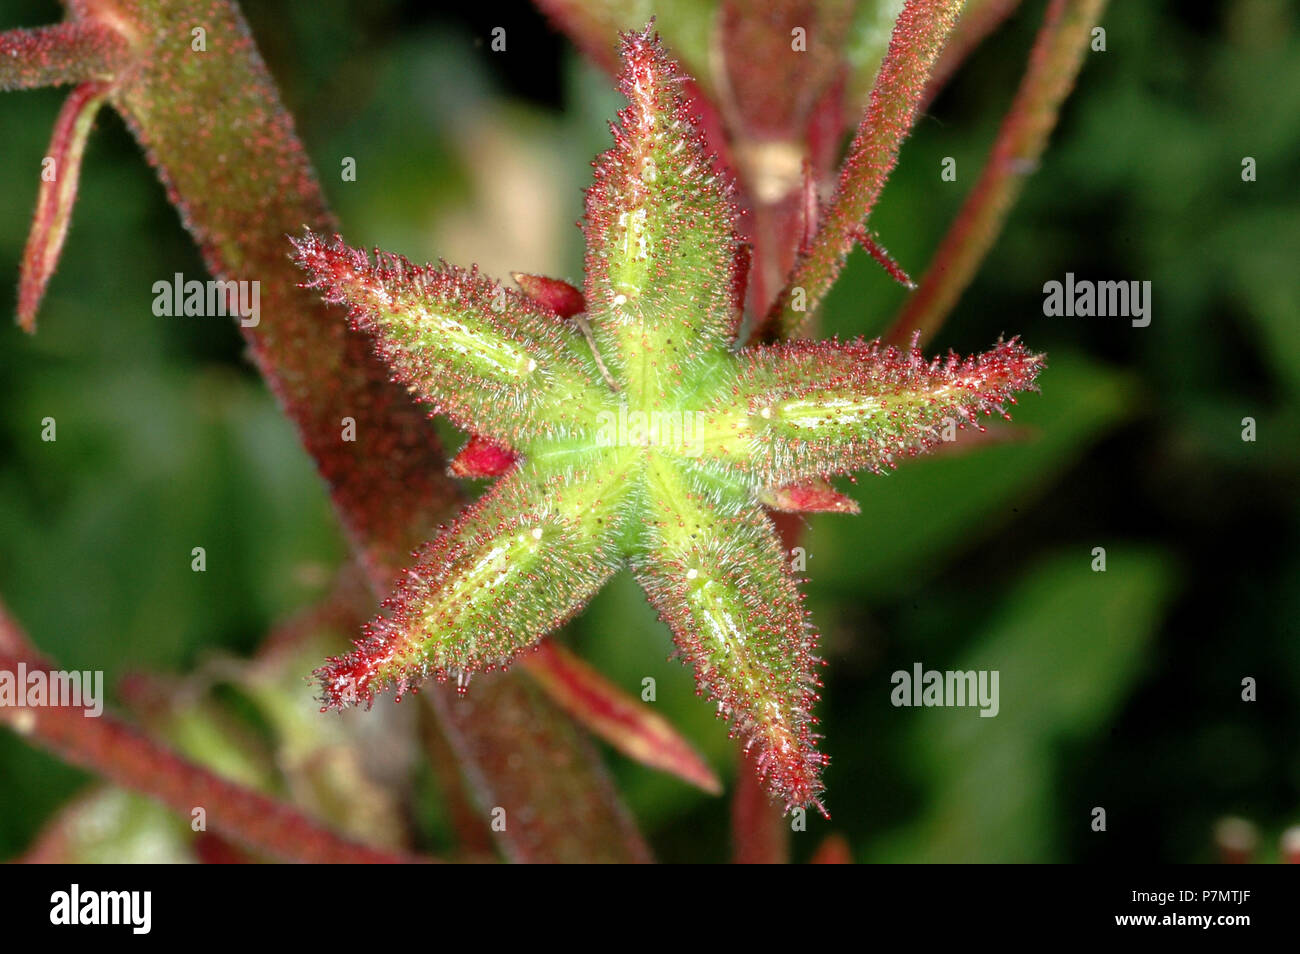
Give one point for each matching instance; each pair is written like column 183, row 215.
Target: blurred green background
column 1119, row 689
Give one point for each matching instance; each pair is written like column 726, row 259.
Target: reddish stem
column 918, row 37
column 1054, row 64
column 760, row 834
column 474, row 841
column 77, row 51
column 534, row 776
column 119, row 752
column 225, row 149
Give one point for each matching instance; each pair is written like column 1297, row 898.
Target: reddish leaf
column 834, row 850
column 482, row 458
column 627, row 724
column 809, row 496
column 59, row 175
column 553, row 293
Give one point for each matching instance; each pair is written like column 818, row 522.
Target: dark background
column 1119, row 689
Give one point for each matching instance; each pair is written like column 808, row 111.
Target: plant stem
column 919, row 36
column 124, row 755
column 1054, row 64
column 213, row 127
column 760, row 835
column 77, row 51
column 531, row 770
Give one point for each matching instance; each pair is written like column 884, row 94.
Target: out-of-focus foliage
column 1120, row 690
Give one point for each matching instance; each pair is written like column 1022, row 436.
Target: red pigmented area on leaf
column 482, row 458
column 553, row 293
column 810, row 496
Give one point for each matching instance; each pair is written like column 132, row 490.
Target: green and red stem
column 1054, row 65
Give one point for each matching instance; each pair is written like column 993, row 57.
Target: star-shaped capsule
column 628, row 430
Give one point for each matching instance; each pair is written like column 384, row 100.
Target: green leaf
column 932, row 508
column 661, row 248
column 515, row 565
column 1068, row 643
column 487, row 356
column 810, row 409
column 722, row 586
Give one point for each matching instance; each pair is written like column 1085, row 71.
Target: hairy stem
column 124, row 755
column 919, row 36
column 1054, row 64
column 531, row 771
column 77, row 51
column 225, row 149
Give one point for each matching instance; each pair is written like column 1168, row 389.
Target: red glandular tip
column 329, row 264
column 1009, row 366
column 345, row 681
column 990, row 378
column 792, row 771
column 644, row 67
